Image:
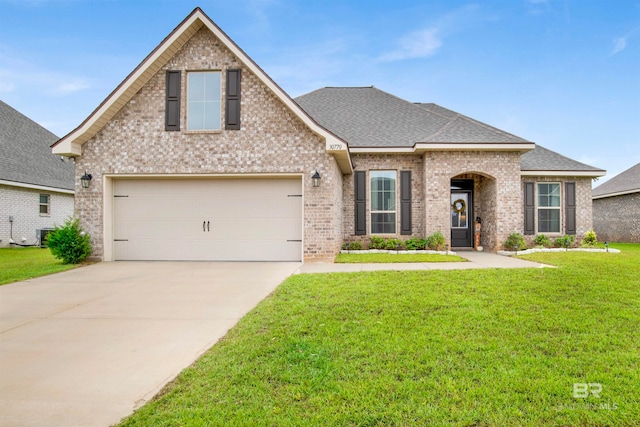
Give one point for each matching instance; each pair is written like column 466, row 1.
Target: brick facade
column 617, row 219
column 272, row 140
column 373, row 162
column 23, row 205
column 583, row 205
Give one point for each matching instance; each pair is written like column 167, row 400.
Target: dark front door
column 461, row 218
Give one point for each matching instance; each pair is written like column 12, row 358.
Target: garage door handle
column 203, row 223
column 208, row 226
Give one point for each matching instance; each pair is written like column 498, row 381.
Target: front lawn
column 394, row 258
column 26, row 263
column 468, row 347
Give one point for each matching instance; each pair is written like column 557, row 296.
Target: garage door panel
column 249, row 219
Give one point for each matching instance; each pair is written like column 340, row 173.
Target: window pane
column 383, row 223
column 548, row 220
column 549, row 195
column 44, row 209
column 204, row 101
column 44, row 198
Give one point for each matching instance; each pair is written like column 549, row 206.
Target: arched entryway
column 472, row 199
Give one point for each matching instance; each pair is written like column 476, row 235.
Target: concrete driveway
column 88, row 346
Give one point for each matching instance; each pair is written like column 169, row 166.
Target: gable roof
column 542, row 161
column 71, row 144
column 626, row 182
column 25, row 157
column 369, row 117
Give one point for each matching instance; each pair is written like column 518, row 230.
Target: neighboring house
column 36, row 186
column 199, row 155
column 616, row 207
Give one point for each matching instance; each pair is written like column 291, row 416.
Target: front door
column 461, row 218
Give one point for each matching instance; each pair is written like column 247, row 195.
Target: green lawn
column 395, row 258
column 467, row 348
column 25, row 263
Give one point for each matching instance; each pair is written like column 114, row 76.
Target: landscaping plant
column 565, row 241
column 542, row 240
column 515, row 240
column 590, row 239
column 435, row 241
column 69, row 243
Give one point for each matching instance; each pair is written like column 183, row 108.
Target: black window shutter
column 529, row 208
column 360, row 189
column 405, row 202
column 172, row 108
column 570, row 207
column 232, row 114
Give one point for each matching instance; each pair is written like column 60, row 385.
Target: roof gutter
column 619, row 193
column 591, row 174
column 421, row 147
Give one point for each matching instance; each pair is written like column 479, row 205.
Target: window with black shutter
column 172, row 107
column 232, row 114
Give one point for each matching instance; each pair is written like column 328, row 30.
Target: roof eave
column 581, row 173
column 422, row 147
column 618, row 193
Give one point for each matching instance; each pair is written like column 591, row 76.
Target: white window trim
column 371, row 211
column 218, row 130
column 559, row 208
column 48, row 204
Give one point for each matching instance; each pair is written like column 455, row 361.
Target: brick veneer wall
column 617, row 219
column 583, row 204
column 272, row 140
column 373, row 162
column 500, row 194
column 24, row 205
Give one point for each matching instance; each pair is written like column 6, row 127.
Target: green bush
column 542, row 240
column 515, row 240
column 435, row 241
column 393, row 244
column 590, row 239
column 415, row 244
column 352, row 246
column 565, row 241
column 69, row 243
column 376, row 243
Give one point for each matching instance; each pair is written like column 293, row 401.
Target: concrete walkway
column 476, row 260
column 88, row 346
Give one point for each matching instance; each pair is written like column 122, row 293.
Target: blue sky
column 564, row 74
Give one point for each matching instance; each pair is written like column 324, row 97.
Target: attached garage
column 207, row 219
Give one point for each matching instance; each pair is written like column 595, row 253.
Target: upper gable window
column 203, row 100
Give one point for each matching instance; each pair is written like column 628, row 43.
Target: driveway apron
column 88, row 346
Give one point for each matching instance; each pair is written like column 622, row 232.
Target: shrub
column 69, row 243
column 565, row 241
column 393, row 244
column 542, row 240
column 415, row 244
column 435, row 241
column 515, row 240
column 590, row 239
column 376, row 243
column 352, row 246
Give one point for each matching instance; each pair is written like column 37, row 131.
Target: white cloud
column 75, row 85
column 417, row 44
column 620, row 43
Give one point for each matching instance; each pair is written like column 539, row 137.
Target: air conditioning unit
column 41, row 235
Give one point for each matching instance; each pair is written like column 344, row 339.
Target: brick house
column 616, row 207
column 199, row 155
column 36, row 186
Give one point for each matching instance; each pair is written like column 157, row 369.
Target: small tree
column 69, row 243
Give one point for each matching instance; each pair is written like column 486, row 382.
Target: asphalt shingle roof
column 627, row 181
column 25, row 153
column 543, row 159
column 369, row 117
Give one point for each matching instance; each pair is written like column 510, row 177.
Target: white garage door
column 208, row 219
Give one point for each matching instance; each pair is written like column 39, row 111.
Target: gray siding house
column 36, row 186
column 199, row 155
column 616, row 207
